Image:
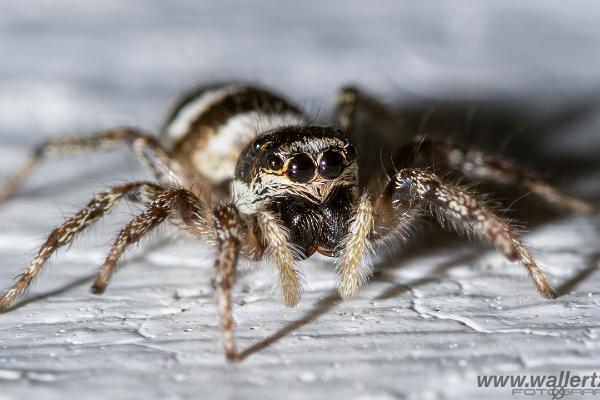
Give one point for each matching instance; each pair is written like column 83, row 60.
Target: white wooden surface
column 433, row 319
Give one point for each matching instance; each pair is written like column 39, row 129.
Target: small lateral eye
column 331, row 164
column 260, row 143
column 350, row 152
column 275, row 163
column 301, row 168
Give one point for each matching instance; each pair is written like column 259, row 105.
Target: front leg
column 227, row 224
column 187, row 212
column 277, row 241
column 373, row 223
column 353, row 270
column 418, row 188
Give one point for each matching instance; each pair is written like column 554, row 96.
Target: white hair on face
column 313, row 145
column 250, row 198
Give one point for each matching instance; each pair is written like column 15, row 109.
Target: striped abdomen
column 210, row 126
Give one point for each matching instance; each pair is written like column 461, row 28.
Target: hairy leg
column 179, row 203
column 156, row 213
column 353, row 270
column 475, row 164
column 99, row 206
column 184, row 209
column 375, row 129
column 472, row 163
column 145, row 146
column 346, row 108
column 276, row 239
column 351, row 101
column 418, row 188
column 227, row 225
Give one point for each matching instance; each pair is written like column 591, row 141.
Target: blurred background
column 514, row 77
column 521, row 78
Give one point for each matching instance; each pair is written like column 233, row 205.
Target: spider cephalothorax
column 242, row 166
column 307, row 175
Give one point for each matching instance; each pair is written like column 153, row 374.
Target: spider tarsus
column 9, row 188
column 278, row 241
column 551, row 293
column 98, row 288
column 349, row 286
column 348, row 293
column 292, row 299
column 233, row 356
column 7, row 299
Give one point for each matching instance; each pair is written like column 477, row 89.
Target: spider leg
column 418, row 188
column 276, row 239
column 375, row 129
column 353, row 271
column 99, row 206
column 346, row 108
column 478, row 165
column 227, row 226
column 184, row 208
column 351, row 101
column 157, row 212
column 146, row 147
column 373, row 223
column 472, row 163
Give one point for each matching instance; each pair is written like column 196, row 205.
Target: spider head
column 310, row 162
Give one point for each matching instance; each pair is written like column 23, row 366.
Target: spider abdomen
column 209, row 127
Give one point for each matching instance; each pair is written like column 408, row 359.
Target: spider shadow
column 327, row 303
column 514, row 128
column 323, row 306
column 435, row 275
column 571, row 284
column 62, row 289
column 85, row 279
column 511, row 128
column 58, row 188
column 413, row 250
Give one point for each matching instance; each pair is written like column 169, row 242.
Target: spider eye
column 275, row 163
column 260, row 143
column 331, row 164
column 301, row 168
column 350, row 152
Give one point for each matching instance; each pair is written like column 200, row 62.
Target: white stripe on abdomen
column 182, row 123
column 218, row 158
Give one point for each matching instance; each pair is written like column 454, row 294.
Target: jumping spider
column 280, row 187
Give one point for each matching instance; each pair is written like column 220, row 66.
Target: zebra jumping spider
column 244, row 168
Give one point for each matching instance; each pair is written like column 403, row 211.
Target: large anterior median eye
column 331, row 164
column 301, row 168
